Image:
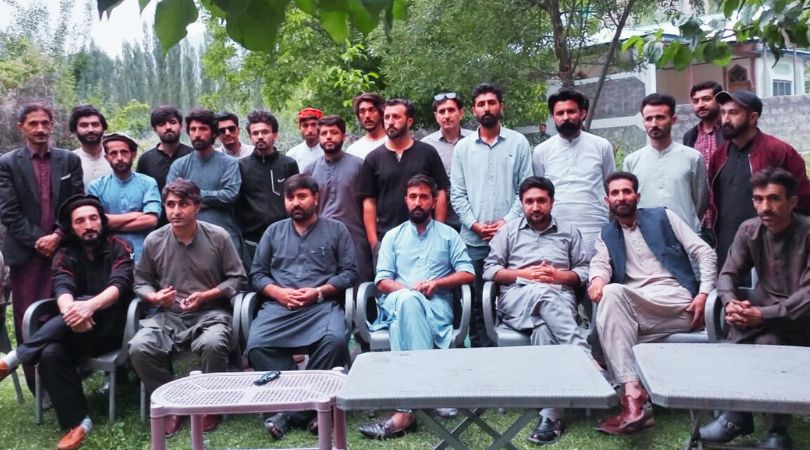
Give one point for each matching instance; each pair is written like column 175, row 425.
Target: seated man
column 539, row 261
column 92, row 278
column 301, row 268
column 777, row 245
column 188, row 270
column 645, row 256
column 419, row 263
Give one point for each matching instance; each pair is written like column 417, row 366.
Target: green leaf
column 236, row 7
column 257, row 27
column 213, row 9
column 143, row 3
column 171, row 19
column 630, row 42
column 336, row 23
column 729, row 6
column 308, row 6
column 399, row 10
column 106, row 6
column 682, row 58
column 362, row 18
column 669, row 53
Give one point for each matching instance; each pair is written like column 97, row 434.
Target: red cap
column 308, row 113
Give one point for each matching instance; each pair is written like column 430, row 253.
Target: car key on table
column 267, row 377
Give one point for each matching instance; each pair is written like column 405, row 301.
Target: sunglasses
column 445, row 96
column 230, row 129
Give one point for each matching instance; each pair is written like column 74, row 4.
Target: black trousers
column 325, row 354
column 57, row 349
column 478, row 332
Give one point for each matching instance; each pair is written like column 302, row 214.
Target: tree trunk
column 561, row 50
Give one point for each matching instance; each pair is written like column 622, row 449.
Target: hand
column 427, row 288
column 286, row 297
column 696, row 307
column 753, row 315
column 164, row 297
column 595, row 289
column 47, row 245
column 305, row 296
column 84, row 326
column 734, row 313
column 193, row 301
column 78, row 312
column 480, row 229
column 546, row 273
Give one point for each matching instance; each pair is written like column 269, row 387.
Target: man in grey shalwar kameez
column 301, row 268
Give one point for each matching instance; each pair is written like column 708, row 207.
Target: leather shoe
column 4, row 370
column 210, row 422
column 446, row 413
column 547, row 431
column 171, row 425
column 636, row 415
column 386, row 429
column 722, row 429
column 73, row 439
column 776, row 439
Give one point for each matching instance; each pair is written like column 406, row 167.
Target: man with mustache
column 641, row 275
column 34, row 181
column 309, row 150
column 261, row 195
column 706, row 138
column 228, row 131
column 539, row 261
column 368, row 107
column 488, row 167
column 88, row 124
column 777, row 244
column 577, row 162
column 747, row 150
column 670, row 174
column 92, row 276
column 131, row 200
column 216, row 174
column 302, row 267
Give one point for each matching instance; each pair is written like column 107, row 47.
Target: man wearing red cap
column 309, row 150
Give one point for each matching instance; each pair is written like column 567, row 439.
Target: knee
column 213, row 341
column 767, row 339
column 335, row 343
column 411, row 308
column 51, row 355
column 141, row 349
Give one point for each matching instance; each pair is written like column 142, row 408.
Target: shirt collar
column 415, row 231
column 501, row 137
column 551, row 228
column 34, row 154
column 715, row 127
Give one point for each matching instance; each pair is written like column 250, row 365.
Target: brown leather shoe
column 386, row 429
column 73, row 439
column 635, row 416
column 4, row 370
column 171, row 425
column 211, row 422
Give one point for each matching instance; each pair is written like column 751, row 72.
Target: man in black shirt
column 387, row 169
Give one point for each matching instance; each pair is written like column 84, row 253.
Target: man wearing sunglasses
column 228, row 127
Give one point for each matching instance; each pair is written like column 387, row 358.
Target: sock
column 11, row 359
column 87, row 424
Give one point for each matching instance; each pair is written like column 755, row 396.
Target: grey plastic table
column 699, row 377
column 473, row 380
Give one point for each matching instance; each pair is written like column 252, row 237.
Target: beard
column 569, row 128
column 730, row 131
column 624, row 209
column 89, row 138
column 394, row 132
column 122, row 167
column 169, row 137
column 201, row 144
column 418, row 215
column 90, row 238
column 299, row 214
column 489, row 120
column 332, row 147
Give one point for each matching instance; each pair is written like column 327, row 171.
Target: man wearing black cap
column 92, row 278
column 747, row 150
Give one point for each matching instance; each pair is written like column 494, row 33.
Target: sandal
column 546, row 431
column 277, row 425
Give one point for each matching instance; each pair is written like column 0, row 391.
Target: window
column 782, row 87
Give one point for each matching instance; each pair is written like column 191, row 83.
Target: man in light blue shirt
column 488, row 167
column 419, row 263
column 131, row 199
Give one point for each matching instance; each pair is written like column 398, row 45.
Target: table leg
column 461, row 427
column 505, row 440
column 694, row 440
column 325, row 429
column 474, row 416
column 197, row 432
column 438, row 428
column 339, row 417
column 158, row 438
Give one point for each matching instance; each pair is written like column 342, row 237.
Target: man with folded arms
column 92, row 278
column 419, row 264
column 777, row 245
column 188, row 270
column 642, row 278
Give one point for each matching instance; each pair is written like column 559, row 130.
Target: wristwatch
column 320, row 295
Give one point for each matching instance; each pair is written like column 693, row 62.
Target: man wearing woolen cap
column 309, row 150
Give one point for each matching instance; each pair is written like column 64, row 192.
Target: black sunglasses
column 445, row 96
column 230, row 128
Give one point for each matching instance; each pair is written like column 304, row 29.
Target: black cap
column 74, row 202
column 746, row 98
column 123, row 137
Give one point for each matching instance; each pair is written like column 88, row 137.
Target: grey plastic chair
column 5, row 342
column 379, row 340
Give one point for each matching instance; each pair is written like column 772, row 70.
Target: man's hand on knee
column 596, row 288
column 697, row 307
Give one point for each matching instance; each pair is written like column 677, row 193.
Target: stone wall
column 619, row 98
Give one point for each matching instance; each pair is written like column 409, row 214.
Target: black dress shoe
column 385, row 429
column 547, row 431
column 776, row 439
column 722, row 429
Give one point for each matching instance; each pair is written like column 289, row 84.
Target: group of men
column 552, row 226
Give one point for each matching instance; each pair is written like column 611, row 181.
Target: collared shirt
column 138, row 193
column 674, row 177
column 642, row 268
column 304, row 154
column 261, row 194
column 92, row 167
column 706, row 144
column 363, row 146
column 445, row 149
column 244, row 150
column 208, row 261
column 578, row 169
column 156, row 162
column 485, row 180
column 517, row 245
column 42, row 173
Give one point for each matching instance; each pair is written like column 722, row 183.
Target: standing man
column 643, row 280
column 368, row 107
column 488, row 167
column 216, row 174
column 577, row 162
column 777, row 245
column 228, row 129
column 542, row 135
column 417, row 301
column 670, row 174
column 337, row 174
column 93, row 284
column 747, row 150
column 167, row 123
column 302, row 267
column 261, row 195
column 89, row 125
column 448, row 109
column 34, row 181
column 706, row 138
column 131, row 200
column 309, row 150
column 188, row 270
column 388, row 168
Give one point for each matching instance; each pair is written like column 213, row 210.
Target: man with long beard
column 88, row 124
